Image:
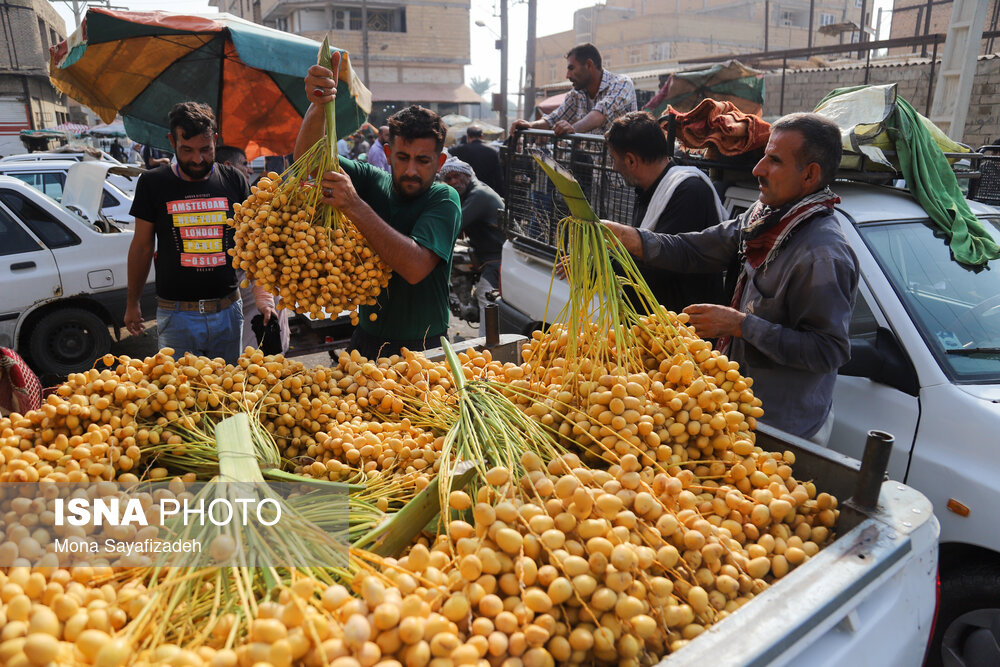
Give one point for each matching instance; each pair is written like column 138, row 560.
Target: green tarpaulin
column 932, row 182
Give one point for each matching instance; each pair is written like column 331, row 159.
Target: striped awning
column 72, row 128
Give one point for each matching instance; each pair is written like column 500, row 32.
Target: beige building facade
column 910, row 19
column 644, row 35
column 27, row 99
column 417, row 49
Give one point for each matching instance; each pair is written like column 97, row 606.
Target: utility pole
column 927, row 26
column 767, row 23
column 520, row 92
column 502, row 45
column 364, row 39
column 863, row 36
column 79, row 7
column 529, row 75
column 812, row 11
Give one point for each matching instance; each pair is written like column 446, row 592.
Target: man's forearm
column 400, row 252
column 591, row 121
column 707, row 251
column 629, row 237
column 310, row 131
column 140, row 258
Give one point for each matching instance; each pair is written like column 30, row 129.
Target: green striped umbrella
column 139, row 64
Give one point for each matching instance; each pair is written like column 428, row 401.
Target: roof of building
column 424, row 92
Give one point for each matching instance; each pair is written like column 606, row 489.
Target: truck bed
column 869, row 598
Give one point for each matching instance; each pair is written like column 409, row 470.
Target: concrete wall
column 804, row 89
column 909, row 19
column 32, row 26
column 661, row 32
column 27, row 47
column 434, row 48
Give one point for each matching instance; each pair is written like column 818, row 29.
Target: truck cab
column 925, row 342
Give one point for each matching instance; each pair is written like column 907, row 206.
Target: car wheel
column 967, row 631
column 68, row 340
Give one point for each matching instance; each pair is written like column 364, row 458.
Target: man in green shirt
column 408, row 219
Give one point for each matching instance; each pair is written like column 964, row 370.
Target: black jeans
column 372, row 347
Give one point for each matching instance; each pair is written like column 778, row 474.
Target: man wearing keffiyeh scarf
column 787, row 323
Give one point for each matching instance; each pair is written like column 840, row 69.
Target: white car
column 64, row 279
column 124, row 178
column 76, row 156
column 49, row 176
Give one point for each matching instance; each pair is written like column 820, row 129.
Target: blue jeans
column 207, row 335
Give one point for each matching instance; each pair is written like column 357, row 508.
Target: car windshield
column 957, row 310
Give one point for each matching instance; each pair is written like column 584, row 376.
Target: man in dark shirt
column 117, row 151
column 181, row 209
column 154, row 157
column 670, row 199
column 485, row 161
column 480, row 224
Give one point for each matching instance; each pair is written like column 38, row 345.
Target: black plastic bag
column 268, row 336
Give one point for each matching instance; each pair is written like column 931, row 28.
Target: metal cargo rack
column 534, row 207
column 986, row 188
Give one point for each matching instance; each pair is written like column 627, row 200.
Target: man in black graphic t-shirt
column 183, row 207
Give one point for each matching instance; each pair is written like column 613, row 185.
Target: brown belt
column 203, row 306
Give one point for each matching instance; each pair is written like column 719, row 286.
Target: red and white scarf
column 20, row 390
column 764, row 230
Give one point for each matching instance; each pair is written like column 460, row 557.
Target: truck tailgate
column 867, row 599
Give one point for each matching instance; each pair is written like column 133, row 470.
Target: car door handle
column 20, row 266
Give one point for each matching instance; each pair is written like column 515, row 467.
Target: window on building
column 310, row 20
column 44, row 34
column 53, row 37
column 826, row 19
column 858, row 3
column 379, row 19
column 387, row 20
column 281, row 23
column 659, row 51
column 634, row 55
column 552, row 72
column 786, row 19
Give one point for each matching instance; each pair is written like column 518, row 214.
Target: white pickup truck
column 869, row 597
column 63, row 271
column 925, row 368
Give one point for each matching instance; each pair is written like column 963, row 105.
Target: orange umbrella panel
column 139, row 64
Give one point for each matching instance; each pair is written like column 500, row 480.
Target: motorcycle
column 462, row 298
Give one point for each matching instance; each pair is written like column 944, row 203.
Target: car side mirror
column 883, row 361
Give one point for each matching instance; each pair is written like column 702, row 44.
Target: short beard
column 206, row 169
column 403, row 195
